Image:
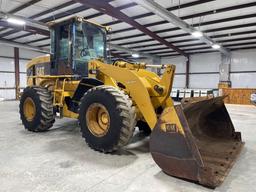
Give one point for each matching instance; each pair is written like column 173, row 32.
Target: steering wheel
column 84, row 52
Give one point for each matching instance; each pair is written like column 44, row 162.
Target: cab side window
column 64, row 42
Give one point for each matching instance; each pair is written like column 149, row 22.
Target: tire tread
column 127, row 112
column 47, row 116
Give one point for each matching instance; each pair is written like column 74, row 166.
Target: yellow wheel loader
column 195, row 140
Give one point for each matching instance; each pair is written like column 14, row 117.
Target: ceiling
column 230, row 23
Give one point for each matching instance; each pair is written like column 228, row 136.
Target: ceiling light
column 197, row 34
column 16, row 21
column 135, row 55
column 215, row 46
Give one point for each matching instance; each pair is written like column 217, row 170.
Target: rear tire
column 122, row 118
column 42, row 116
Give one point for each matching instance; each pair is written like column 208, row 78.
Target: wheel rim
column 98, row 119
column 29, row 109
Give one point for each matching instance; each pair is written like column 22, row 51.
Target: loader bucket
column 196, row 141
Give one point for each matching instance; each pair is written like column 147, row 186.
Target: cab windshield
column 89, row 42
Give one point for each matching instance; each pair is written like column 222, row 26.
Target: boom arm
column 147, row 90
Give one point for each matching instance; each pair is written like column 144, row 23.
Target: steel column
column 187, row 71
column 17, row 71
column 224, row 76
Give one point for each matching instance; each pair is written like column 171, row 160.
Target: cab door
column 61, row 49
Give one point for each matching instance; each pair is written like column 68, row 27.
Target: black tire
column 122, row 118
column 144, row 128
column 44, row 116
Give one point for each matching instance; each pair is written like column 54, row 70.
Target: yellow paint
column 38, row 60
column 29, row 109
column 97, row 119
column 170, row 117
column 139, row 84
column 68, row 114
column 147, row 90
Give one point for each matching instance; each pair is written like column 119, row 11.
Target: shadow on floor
column 139, row 143
column 65, row 137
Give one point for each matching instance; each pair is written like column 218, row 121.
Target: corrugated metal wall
column 7, row 78
column 180, row 77
column 243, row 69
column 7, row 72
column 204, row 70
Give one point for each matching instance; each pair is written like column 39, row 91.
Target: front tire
column 107, row 118
column 36, row 109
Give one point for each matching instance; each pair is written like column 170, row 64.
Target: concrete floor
column 59, row 160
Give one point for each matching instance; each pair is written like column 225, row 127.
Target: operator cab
column 74, row 43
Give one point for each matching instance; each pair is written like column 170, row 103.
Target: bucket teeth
column 196, row 141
